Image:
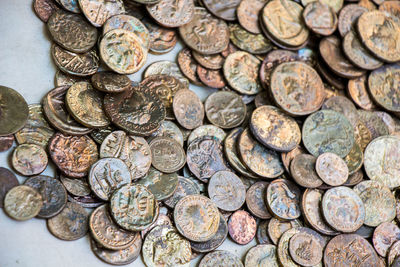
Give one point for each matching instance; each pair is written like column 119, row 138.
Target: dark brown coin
column 229, row 50
column 331, row 78
column 332, row 169
column 64, row 79
column 70, row 224
column 184, row 188
column 73, row 155
column 255, row 200
column 138, row 110
column 207, row 129
column 283, row 199
column 374, row 124
column 70, row 5
column 320, row 18
column 242, row 227
column 358, row 91
column 170, row 130
column 247, row 13
column 44, row 9
column 213, row 62
column 385, row 235
column 6, row 142
column 161, row 185
column 306, row 247
column 220, row 258
column 162, row 40
column 302, row 169
column 355, row 178
column 225, row 10
column 348, row 16
column 348, row 250
column 13, row 111
column 188, row 109
column 167, row 155
column 8, row 180
column 110, row 82
column 188, row 65
column 22, row 203
column 88, row 201
column 76, row 187
column 262, row 233
column 211, row 78
column 29, row 159
column 99, row 135
column 166, row 67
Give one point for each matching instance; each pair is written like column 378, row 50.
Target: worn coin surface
column 166, row 67
column 359, row 93
column 98, row 12
column 211, row 78
column 14, row 111
column 70, row 5
column 247, row 14
column 207, row 130
column 220, row 258
column 348, row 17
column 375, row 126
column 22, row 202
column 76, row 187
column 242, row 227
column 277, row 227
column 225, row 10
column 262, row 233
column 88, row 201
column 110, row 82
column 213, row 62
column 44, row 9
column 8, row 180
column 29, row 159
column 394, row 253
column 171, row 13
column 283, row 248
column 306, row 247
column 188, row 109
column 167, row 155
column 283, row 199
column 64, row 79
column 6, row 142
column 262, row 255
column 196, row 218
column 253, row 43
column 302, row 169
column 287, row 157
column 343, row 209
column 171, row 130
column 162, row 40
column 320, row 18
column 332, row 169
column 162, row 185
column 255, row 200
column 184, row 187
column 188, row 65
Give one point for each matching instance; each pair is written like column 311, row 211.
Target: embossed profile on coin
column 98, row 11
column 29, row 159
column 283, row 199
column 188, row 109
column 22, row 203
column 172, row 13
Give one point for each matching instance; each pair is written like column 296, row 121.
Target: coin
column 255, row 200
column 13, row 111
column 262, row 255
column 213, row 62
column 247, row 13
column 379, row 32
column 357, row 89
column 242, row 227
column 63, row 79
column 170, row 13
column 188, row 109
column 70, row 224
column 211, row 78
column 163, row 246
column 54, row 195
column 161, row 220
column 354, row 159
column 184, row 187
column 343, row 105
column 283, row 248
column 302, row 169
column 224, row 10
column 262, row 233
column 390, row 6
column 98, row 12
column 8, row 180
column 72, row 31
column 205, row 33
column 384, row 236
column 110, row 82
column 332, row 169
column 374, row 124
column 44, row 9
column 167, row 155
column 6, row 142
column 328, row 131
column 161, row 185
column 320, row 18
column 355, row 178
column 336, row 5
column 306, row 247
column 259, row 159
column 88, row 201
column 196, row 218
column 304, row 93
column 277, row 227
column 331, row 78
column 29, row 159
column 394, row 253
column 348, row 17
column 22, row 203
column 70, row 5
column 220, row 258
column 162, row 40
column 283, row 199
column 167, row 68
column 138, row 110
column 207, row 130
column 73, row 155
column 215, row 241
column 76, row 187
column 343, row 209
column 188, row 66
column 253, row 43
column 287, row 157
column 137, row 201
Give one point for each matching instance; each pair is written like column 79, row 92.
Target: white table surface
column 26, row 66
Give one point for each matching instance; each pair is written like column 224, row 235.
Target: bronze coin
column 358, row 91
column 225, row 10
column 302, row 169
column 170, row 130
column 167, row 155
column 211, row 78
column 44, row 9
column 98, row 11
column 255, row 44
column 348, row 17
column 226, row 190
column 262, row 255
column 207, row 130
column 161, row 185
column 70, row 5
column 70, row 224
column 133, row 150
column 13, row 111
column 242, row 227
column 391, row 123
column 332, row 169
column 205, row 33
column 306, row 247
column 170, row 13
column 385, row 235
column 283, row 248
column 6, row 142
column 188, row 66
column 138, row 110
column 73, row 155
column 331, row 78
column 331, row 53
column 110, row 82
column 220, row 258
column 162, row 40
column 394, row 253
column 304, row 93
column 89, row 201
column 336, row 4
column 374, row 124
column 230, row 49
column 283, row 199
column 167, row 68
column 184, row 188
column 354, row 159
column 320, row 18
column 343, row 209
column 255, row 200
column 213, row 62
column 355, row 178
column 247, row 13
column 22, row 203
column 161, row 220
column 262, row 233
column 72, row 31
column 8, row 180
column 277, row 227
column 188, row 109
column 287, row 157
column 29, row 159
column 76, row 187
column 64, row 79
column 262, row 99
column 259, row 159
column 343, row 105
column 54, row 195
column 275, row 129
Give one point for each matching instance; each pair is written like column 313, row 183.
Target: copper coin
column 283, row 248
column 167, row 68
column 185, row 187
column 247, row 13
column 76, row 187
column 8, row 180
column 349, row 249
column 133, row 150
column 22, row 203
column 259, row 159
column 262, row 99
column 255, row 200
column 242, row 227
column 207, row 130
column 167, row 155
column 384, row 236
column 205, row 33
column 138, row 110
column 262, row 255
column 44, row 9
column 358, row 91
column 354, row 159
column 224, row 10
column 162, row 40
column 13, row 111
column 211, row 78
column 320, row 18
column 332, row 169
column 306, row 247
column 331, row 78
column 394, row 253
column 287, row 157
column 336, row 4
column 161, row 220
column 188, row 109
column 88, row 201
column 188, row 65
column 70, row 224
column 213, row 62
column 170, row 130
column 348, row 16
column 355, row 178
column 256, row 44
column 98, row 11
column 161, row 185
column 110, row 82
column 170, row 13
column 343, row 209
column 262, row 233
column 73, row 155
column 6, row 142
column 391, row 122
column 220, row 258
column 196, row 218
column 275, row 129
column 302, row 169
column 283, row 199
column 29, row 159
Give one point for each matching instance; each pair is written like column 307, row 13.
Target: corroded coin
column 213, row 62
column 162, row 40
column 107, row 233
column 13, row 111
column 72, row 31
column 225, row 109
column 71, row 223
column 54, row 195
column 390, row 6
column 350, row 249
column 110, row 82
column 133, row 150
column 70, row 5
column 262, row 233
column 277, row 227
column 306, row 247
column 328, row 131
column 225, row 10
column 100, row 134
column 166, row 67
column 343, row 209
column 332, row 169
column 220, row 258
column 171, row 13
column 242, row 227
column 134, row 207
column 226, row 190
column 262, row 255
column 211, row 78
column 253, row 43
column 283, row 248
column 247, row 13
column 106, row 175
column 164, row 246
column 354, row 159
column 275, row 129
column 44, row 9
column 188, row 65
column 297, row 88
column 207, row 130
column 162, row 185
column 348, row 17
column 343, row 105
column 98, row 11
column 204, row 33
column 184, row 188
column 88, row 201
column 374, row 124
column 8, row 180
column 64, row 79
column 241, row 72
column 77, row 187
column 259, row 159
column 255, row 200
column 161, row 220
column 6, row 142
column 320, row 18
column 122, row 51
column 73, row 155
column 357, row 89
column 335, row 4
column 379, row 202
column 188, row 109
column 138, row 110
column 29, row 159
column 355, row 178
column 379, row 32
column 167, row 155
column 394, row 253
column 170, row 130
column 380, row 161
column 196, row 218
column 283, row 199
column 22, row 203
column 302, row 169
column 287, row 157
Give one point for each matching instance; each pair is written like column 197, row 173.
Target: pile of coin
column 297, row 143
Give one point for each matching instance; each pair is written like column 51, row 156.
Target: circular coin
column 348, row 16
column 188, row 109
column 98, row 11
column 188, row 66
column 302, row 169
column 283, row 199
column 14, row 111
column 161, row 185
column 29, row 159
column 332, row 169
column 306, row 247
column 253, row 43
column 242, row 227
column 6, row 142
column 220, row 258
column 357, row 89
column 213, row 62
column 8, row 180
column 167, row 155
column 110, row 82
column 255, row 200
column 76, row 187
column 247, row 13
column 44, row 9
column 320, row 18
column 162, row 40
column 262, row 255
column 170, row 13
column 277, row 227
column 211, row 78
column 22, row 203
column 184, row 188
column 166, row 68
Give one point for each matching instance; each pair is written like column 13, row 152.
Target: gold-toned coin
column 29, row 159
column 98, row 11
column 22, row 203
column 252, row 43
column 14, row 111
column 166, row 67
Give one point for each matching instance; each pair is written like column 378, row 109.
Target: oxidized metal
column 14, row 111
column 29, row 159
column 161, row 185
column 22, row 203
column 167, row 155
column 188, row 109
column 242, row 227
column 8, row 180
column 332, row 169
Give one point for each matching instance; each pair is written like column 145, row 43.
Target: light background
column 26, row 66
